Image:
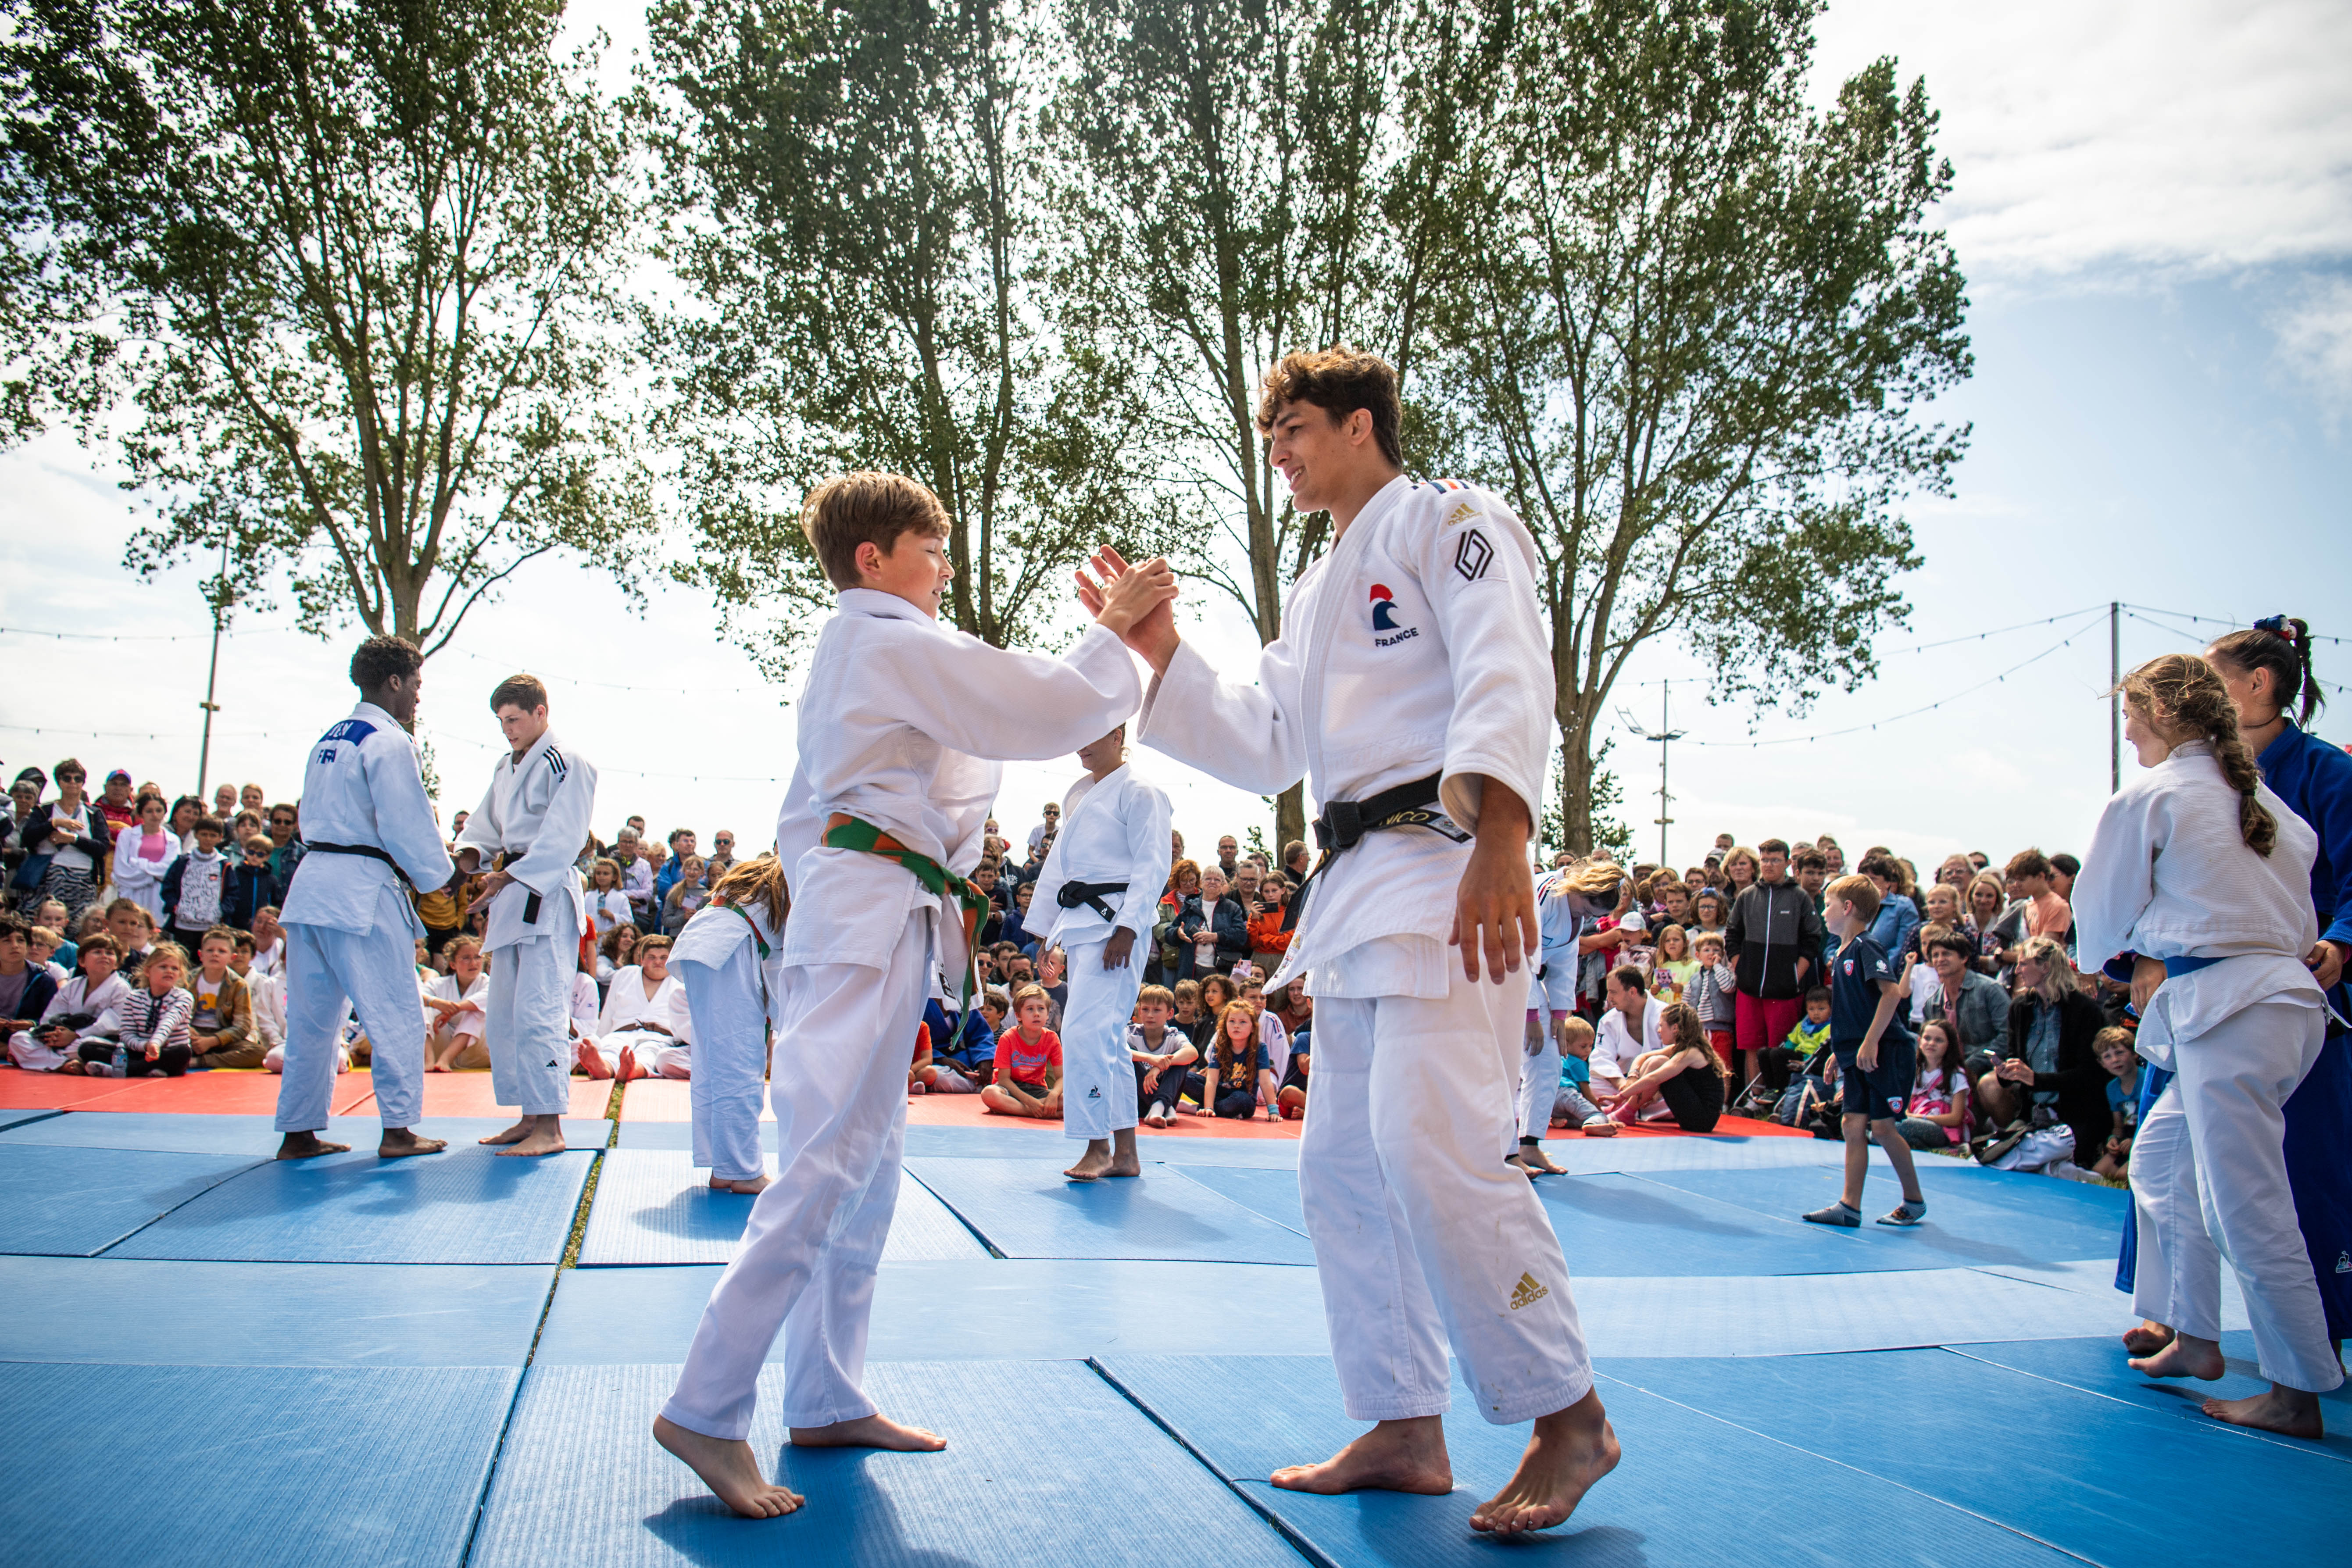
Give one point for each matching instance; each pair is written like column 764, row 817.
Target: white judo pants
column 2208, row 1179
column 528, row 1025
column 330, row 974
column 1422, row 1235
column 1538, row 1077
column 1098, row 1073
column 815, row 1236
column 729, row 1069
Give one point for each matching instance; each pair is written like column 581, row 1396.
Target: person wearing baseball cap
column 116, row 804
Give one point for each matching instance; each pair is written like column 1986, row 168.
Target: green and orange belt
column 845, row 832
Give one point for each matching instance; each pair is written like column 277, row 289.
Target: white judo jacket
column 1413, row 647
column 902, row 724
column 1114, row 830
column 361, row 786
column 2169, row 875
column 712, row 938
column 536, row 809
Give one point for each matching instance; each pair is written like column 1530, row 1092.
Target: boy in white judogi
column 1413, row 685
column 1105, row 874
column 350, row 921
column 531, row 823
column 892, row 789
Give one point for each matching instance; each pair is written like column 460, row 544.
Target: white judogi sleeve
column 1479, row 569
column 362, row 786
column 548, row 867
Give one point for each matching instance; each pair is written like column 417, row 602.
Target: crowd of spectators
column 2024, row 1059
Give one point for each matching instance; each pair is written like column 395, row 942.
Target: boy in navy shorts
column 1875, row 1055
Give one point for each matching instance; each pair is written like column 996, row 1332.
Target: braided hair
column 2183, row 696
column 2281, row 645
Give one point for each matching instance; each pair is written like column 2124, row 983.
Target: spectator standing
column 118, row 805
column 196, row 887
column 1050, row 821
column 143, row 854
column 682, row 845
column 286, row 843
column 224, row 802
column 2047, row 913
column 636, row 878
column 252, row 884
column 65, row 862
column 182, row 823
column 1898, row 920
column 685, row 897
column 721, row 859
column 608, row 906
column 1771, row 940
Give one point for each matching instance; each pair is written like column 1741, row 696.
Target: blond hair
column 2179, row 694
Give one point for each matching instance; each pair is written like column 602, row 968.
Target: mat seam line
column 158, row 1219
column 2221, row 1427
column 1827, row 1459
column 977, row 1234
column 1298, row 1542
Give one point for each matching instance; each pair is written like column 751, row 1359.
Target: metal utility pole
column 2115, row 698
column 221, row 598
column 1665, row 735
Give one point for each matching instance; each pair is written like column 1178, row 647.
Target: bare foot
column 2186, row 1356
column 1124, row 1165
column 757, row 1183
column 1402, row 1456
column 2290, row 1412
column 870, row 1432
column 1532, row 1156
column 1091, row 1165
column 515, row 1134
column 542, row 1140
column 399, row 1142
column 729, row 1469
column 309, row 1146
column 1570, row 1451
column 2148, row 1338
column 441, row 1067
column 590, row 1060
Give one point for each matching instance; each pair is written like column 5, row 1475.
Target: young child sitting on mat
column 1234, row 1066
column 1685, row 1077
column 153, row 1019
column 2121, row 1062
column 1569, row 1105
column 1028, row 1062
column 1161, row 1052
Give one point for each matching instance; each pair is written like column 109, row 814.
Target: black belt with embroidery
column 1344, row 823
column 1073, row 894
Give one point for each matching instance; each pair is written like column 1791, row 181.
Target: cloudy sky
column 2153, row 210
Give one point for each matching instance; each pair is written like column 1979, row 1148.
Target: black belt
column 318, row 847
column 1345, row 822
column 1073, row 894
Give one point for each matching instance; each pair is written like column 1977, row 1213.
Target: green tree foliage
column 856, row 203
column 1689, row 338
column 354, row 266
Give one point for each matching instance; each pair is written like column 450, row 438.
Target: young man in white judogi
column 892, row 789
column 531, row 823
column 351, row 926
column 638, row 1031
column 1412, row 684
column 1105, row 873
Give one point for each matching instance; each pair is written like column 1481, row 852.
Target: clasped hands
column 1138, row 602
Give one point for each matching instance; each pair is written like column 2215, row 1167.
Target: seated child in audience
column 87, row 1007
column 686, row 896
column 1684, row 1076
column 963, row 1056
column 26, row 987
column 1569, row 1105
column 1805, row 1039
column 1273, row 1045
column 133, row 930
column 1189, row 1017
column 1233, row 1067
column 1028, row 1079
column 2122, row 1061
column 1292, row 1096
column 920, row 1070
column 220, row 1029
column 1160, row 1052
column 45, row 948
column 153, row 1019
column 1676, row 965
column 455, row 1004
column 1935, row 1115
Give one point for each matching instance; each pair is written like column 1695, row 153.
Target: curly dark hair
column 380, row 659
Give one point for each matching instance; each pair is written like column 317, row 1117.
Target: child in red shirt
column 1028, row 1062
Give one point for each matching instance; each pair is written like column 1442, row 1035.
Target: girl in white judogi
column 892, row 791
column 2197, row 881
column 639, row 1022
column 1412, row 686
column 728, row 964
column 1110, row 859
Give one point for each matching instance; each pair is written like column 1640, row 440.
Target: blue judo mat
column 654, row 1207
column 1025, row 1210
column 1688, row 1491
column 2067, row 1466
column 1046, row 1467
column 262, row 1466
column 467, row 1205
column 255, row 1135
column 17, row 1118
column 75, row 1203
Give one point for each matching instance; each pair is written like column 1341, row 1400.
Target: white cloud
column 2314, row 339
column 2120, row 136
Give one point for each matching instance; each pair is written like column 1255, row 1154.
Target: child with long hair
column 1936, row 1114
column 728, row 968
column 1234, row 1068
column 1675, row 964
column 1685, row 1074
column 2197, row 886
column 153, row 1020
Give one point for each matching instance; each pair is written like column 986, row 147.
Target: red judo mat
column 247, row 1092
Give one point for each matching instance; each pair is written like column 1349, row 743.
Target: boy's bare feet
column 531, row 1135
column 441, row 1067
column 1127, row 1164
column 1532, row 1159
column 729, row 1469
column 1570, row 1451
column 308, row 1146
column 1401, row 1456
column 590, row 1060
column 747, row 1185
column 2186, row 1356
column 2148, row 1338
column 399, row 1142
column 2290, row 1412
column 1094, row 1163
column 877, row 1431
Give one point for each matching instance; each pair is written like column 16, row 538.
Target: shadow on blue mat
column 1030, row 1211
column 92, row 1199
